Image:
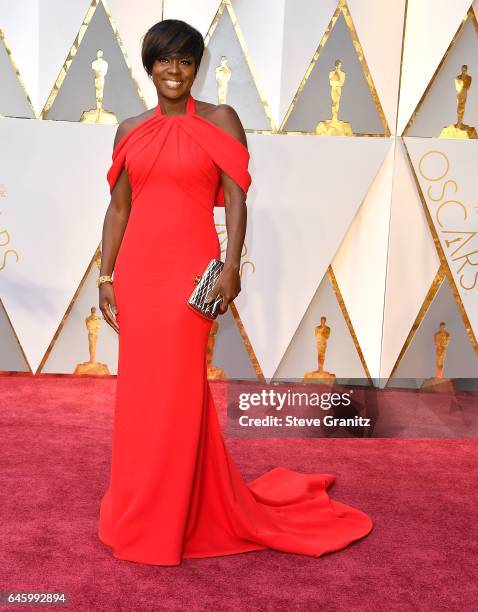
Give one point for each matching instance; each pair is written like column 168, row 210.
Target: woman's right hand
column 108, row 305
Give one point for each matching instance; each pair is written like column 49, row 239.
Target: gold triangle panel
column 227, row 74
column 337, row 96
column 95, row 84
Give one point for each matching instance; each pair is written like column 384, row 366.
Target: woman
column 175, row 492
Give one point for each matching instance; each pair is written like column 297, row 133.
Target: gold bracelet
column 104, row 279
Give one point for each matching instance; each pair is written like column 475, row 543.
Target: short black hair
column 171, row 37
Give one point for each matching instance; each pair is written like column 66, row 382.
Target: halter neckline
column 226, row 151
column 190, row 109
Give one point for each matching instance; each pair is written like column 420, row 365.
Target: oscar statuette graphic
column 223, row 76
column 322, row 334
column 460, row 129
column 99, row 114
column 93, row 322
column 438, row 383
column 334, row 126
column 213, row 373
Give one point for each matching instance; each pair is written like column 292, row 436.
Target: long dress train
column 175, row 492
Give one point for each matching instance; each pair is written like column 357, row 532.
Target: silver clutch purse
column 205, row 283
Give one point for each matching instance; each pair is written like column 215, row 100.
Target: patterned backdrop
column 361, row 251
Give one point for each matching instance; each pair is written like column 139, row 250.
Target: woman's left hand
column 228, row 284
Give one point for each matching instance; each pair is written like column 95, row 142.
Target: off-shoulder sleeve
column 127, row 142
column 225, row 150
column 118, row 159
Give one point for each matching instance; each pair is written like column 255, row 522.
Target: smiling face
column 174, row 75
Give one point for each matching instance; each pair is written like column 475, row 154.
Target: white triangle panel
column 412, row 261
column 429, row 29
column 375, row 21
column 360, row 265
column 262, row 24
column 19, row 22
column 54, row 214
column 295, row 226
column 305, row 22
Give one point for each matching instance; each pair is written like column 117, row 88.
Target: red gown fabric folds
column 175, row 492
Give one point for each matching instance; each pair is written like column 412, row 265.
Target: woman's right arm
column 114, row 225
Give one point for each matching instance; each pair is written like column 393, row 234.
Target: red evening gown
column 175, row 492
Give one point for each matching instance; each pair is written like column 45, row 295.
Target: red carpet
column 55, row 453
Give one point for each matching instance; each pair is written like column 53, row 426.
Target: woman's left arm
column 228, row 283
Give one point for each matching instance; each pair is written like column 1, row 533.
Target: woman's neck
column 173, row 107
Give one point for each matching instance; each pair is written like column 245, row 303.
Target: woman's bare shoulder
column 224, row 116
column 131, row 122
